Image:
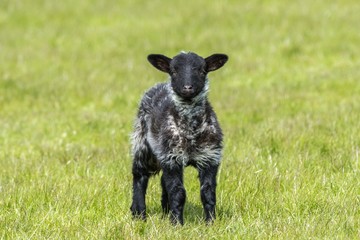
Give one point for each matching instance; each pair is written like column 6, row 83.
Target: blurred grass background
column 72, row 74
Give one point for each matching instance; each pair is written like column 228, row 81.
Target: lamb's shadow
column 193, row 213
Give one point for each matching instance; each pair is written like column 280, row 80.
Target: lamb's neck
column 191, row 110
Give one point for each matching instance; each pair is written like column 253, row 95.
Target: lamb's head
column 188, row 71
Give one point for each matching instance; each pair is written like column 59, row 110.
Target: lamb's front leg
column 172, row 180
column 207, row 177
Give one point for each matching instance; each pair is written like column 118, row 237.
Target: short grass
column 72, row 74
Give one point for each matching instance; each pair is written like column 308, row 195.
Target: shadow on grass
column 193, row 213
column 193, row 216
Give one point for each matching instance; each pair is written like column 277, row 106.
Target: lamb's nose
column 187, row 87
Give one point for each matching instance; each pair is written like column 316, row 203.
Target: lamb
column 177, row 127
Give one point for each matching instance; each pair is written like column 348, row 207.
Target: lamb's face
column 188, row 75
column 188, row 71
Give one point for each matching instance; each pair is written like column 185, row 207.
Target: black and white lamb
column 177, row 127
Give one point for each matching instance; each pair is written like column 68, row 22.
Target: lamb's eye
column 173, row 72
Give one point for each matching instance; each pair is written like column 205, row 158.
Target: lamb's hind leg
column 140, row 170
column 164, row 196
column 140, row 183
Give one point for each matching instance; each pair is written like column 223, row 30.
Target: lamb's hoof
column 138, row 214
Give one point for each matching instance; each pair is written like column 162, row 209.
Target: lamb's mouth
column 188, row 95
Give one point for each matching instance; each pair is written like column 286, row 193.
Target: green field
column 72, row 74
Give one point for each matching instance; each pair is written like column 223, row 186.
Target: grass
column 72, row 74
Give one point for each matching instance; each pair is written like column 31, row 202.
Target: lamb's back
column 155, row 99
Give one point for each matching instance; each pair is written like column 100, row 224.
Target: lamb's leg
column 173, row 181
column 164, row 197
column 140, row 182
column 207, row 177
column 140, row 171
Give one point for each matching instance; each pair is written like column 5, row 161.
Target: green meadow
column 71, row 77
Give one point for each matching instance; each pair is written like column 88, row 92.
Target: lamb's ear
column 215, row 61
column 159, row 61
